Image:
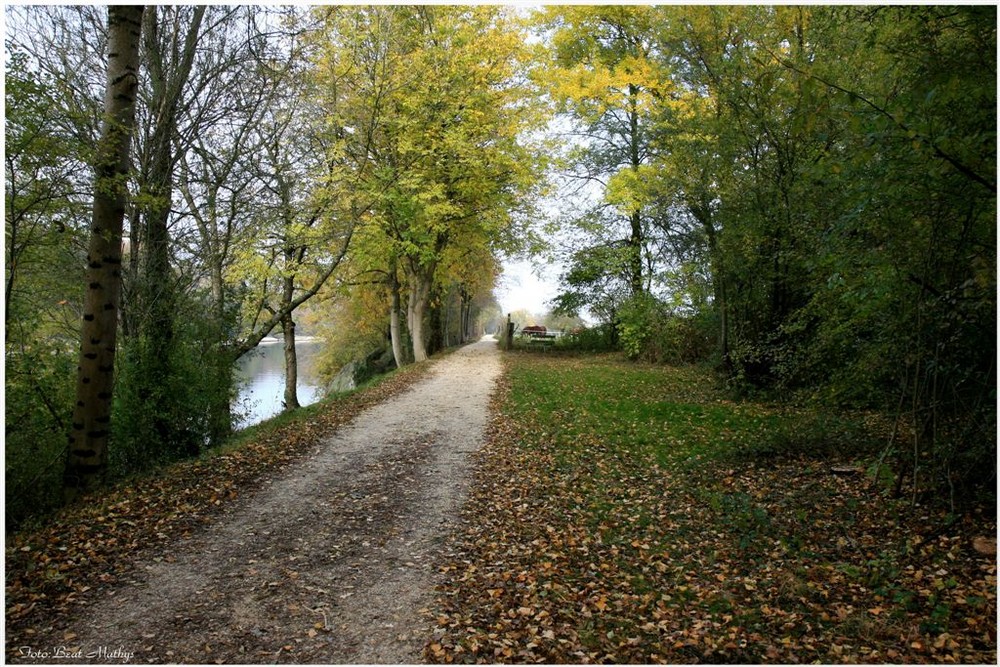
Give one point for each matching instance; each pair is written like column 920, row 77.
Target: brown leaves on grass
column 579, row 547
column 53, row 570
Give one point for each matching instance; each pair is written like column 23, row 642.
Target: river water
column 261, row 376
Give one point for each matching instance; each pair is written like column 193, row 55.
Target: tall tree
column 219, row 177
column 88, row 452
column 445, row 116
column 255, row 184
column 171, row 40
column 606, row 82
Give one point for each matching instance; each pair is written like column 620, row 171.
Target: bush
column 590, row 339
column 689, row 340
column 39, row 396
column 650, row 332
column 163, row 419
column 638, row 321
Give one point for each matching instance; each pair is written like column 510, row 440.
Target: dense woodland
column 804, row 197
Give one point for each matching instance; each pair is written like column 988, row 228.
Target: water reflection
column 261, row 375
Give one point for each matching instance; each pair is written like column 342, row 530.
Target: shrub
column 163, row 419
column 37, row 412
column 649, row 331
column 589, row 339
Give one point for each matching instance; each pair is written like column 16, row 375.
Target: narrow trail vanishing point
column 329, row 561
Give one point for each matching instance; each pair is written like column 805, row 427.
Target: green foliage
column 600, row 338
column 690, row 339
column 637, row 319
column 594, row 281
column 162, row 419
column 650, row 330
column 44, row 217
column 834, row 172
column 38, row 393
column 352, row 328
column 44, row 227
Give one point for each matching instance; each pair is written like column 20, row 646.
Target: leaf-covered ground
column 624, row 513
column 53, row 571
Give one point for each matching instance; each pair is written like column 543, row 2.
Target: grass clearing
column 631, row 513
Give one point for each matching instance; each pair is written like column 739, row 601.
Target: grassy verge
column 53, row 569
column 630, row 513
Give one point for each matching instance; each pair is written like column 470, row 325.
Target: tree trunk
column 291, row 361
column 129, row 316
column 466, row 316
column 702, row 212
column 11, row 266
column 395, row 334
column 222, row 409
column 462, row 319
column 636, row 239
column 88, row 441
column 467, row 324
column 155, row 292
column 420, row 293
column 446, row 323
column 722, row 304
column 436, row 323
column 416, row 318
column 635, row 243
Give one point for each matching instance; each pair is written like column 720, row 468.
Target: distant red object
column 534, row 331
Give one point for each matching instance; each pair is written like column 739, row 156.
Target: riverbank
column 274, row 340
column 261, row 379
column 633, row 514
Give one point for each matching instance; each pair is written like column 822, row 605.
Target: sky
column 521, row 286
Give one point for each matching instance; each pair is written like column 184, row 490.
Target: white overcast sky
column 521, row 286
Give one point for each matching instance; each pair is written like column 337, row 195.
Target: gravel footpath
column 329, row 561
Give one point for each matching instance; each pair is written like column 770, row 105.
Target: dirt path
column 329, row 561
